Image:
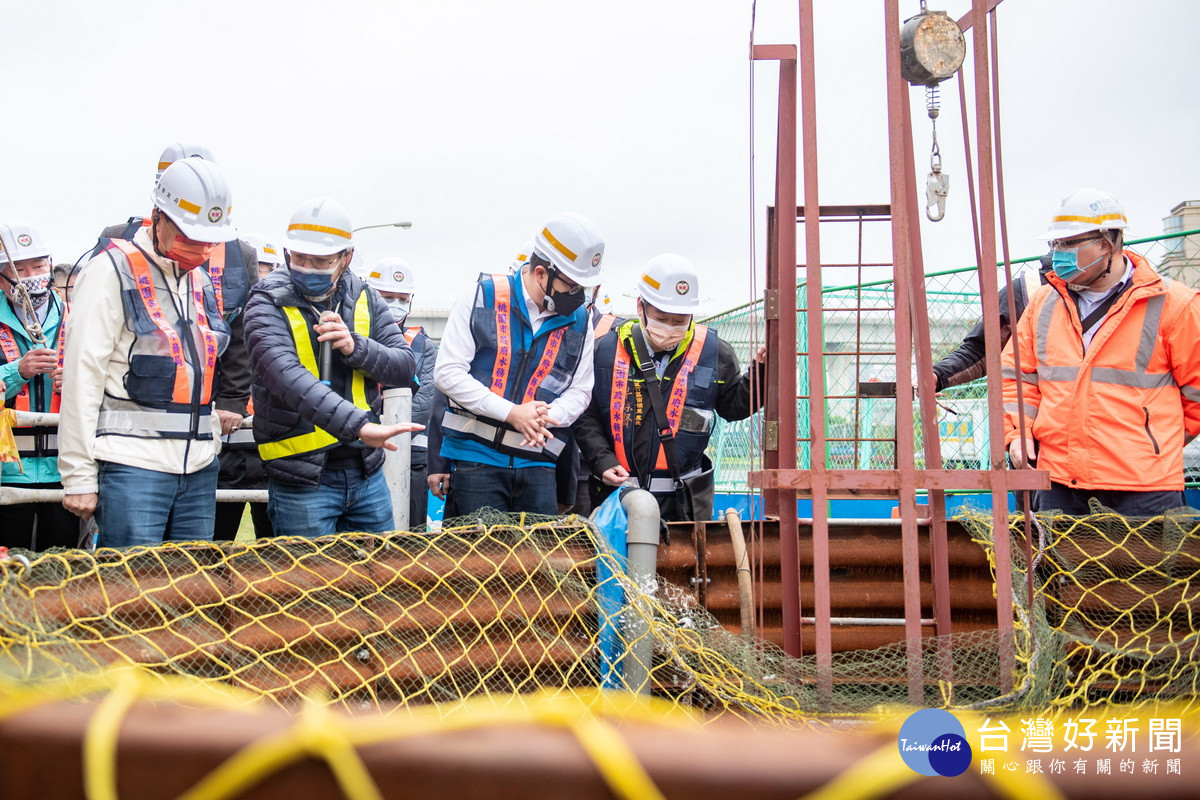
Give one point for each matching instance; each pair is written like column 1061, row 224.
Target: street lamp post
column 384, row 225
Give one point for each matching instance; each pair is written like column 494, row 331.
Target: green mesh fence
column 860, row 348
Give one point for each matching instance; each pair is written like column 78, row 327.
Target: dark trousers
column 55, row 526
column 531, row 489
column 1074, row 502
column 229, row 520
column 418, row 497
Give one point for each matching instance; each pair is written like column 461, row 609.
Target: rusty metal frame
column 782, row 481
column 779, row 427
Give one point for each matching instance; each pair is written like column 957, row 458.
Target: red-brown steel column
column 771, row 411
column 903, row 280
column 1023, row 497
column 939, row 560
column 782, row 286
column 991, row 337
column 815, row 333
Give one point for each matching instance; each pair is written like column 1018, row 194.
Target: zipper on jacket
column 1153, row 441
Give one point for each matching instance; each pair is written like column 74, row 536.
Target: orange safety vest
column 503, row 363
column 1114, row 416
column 621, row 367
column 182, row 392
column 604, row 325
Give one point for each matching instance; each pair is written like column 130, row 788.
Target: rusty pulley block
column 932, row 48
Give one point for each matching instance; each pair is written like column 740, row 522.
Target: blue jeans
column 474, row 486
column 345, row 500
column 144, row 506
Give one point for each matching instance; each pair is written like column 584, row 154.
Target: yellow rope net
column 527, row 620
column 382, row 622
column 1114, row 614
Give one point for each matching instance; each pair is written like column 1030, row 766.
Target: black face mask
column 563, row 303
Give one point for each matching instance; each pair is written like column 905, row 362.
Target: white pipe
column 26, row 419
column 642, row 547
column 11, row 495
column 397, row 464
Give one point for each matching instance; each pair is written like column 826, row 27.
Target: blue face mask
column 314, row 286
column 1066, row 264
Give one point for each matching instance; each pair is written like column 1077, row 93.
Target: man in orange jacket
column 1110, row 371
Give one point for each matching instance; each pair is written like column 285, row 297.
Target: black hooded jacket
column 966, row 362
column 288, row 396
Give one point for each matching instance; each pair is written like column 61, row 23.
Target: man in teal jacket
column 31, row 374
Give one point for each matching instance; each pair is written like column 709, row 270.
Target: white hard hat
column 22, row 241
column 320, row 227
column 266, row 252
column 1086, row 210
column 358, row 265
column 180, row 150
column 572, row 243
column 522, row 255
column 604, row 303
column 669, row 283
column 193, row 193
column 392, row 275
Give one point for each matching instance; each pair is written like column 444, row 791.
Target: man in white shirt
column 516, row 364
column 138, row 433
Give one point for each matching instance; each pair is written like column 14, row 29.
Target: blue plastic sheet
column 613, row 523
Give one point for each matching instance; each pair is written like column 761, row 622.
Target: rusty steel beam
column 968, row 19
column 988, row 294
column 781, row 337
column 926, row 384
column 43, row 750
column 858, row 481
column 903, row 279
column 1023, row 499
column 815, row 345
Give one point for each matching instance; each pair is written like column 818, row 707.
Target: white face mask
column 663, row 336
column 399, row 309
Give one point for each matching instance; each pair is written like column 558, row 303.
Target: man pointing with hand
column 321, row 344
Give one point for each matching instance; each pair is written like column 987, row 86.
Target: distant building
column 1182, row 259
column 432, row 319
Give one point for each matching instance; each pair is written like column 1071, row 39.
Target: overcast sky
column 476, row 120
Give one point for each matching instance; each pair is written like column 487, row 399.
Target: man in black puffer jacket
column 321, row 344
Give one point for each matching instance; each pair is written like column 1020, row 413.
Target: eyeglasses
column 573, row 289
column 1069, row 245
column 314, row 262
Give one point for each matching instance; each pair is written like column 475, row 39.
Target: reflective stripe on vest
column 675, row 403
column 139, row 266
column 503, row 306
column 467, row 423
column 216, row 272
column 306, row 351
column 503, row 363
column 27, row 444
column 1139, row 377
